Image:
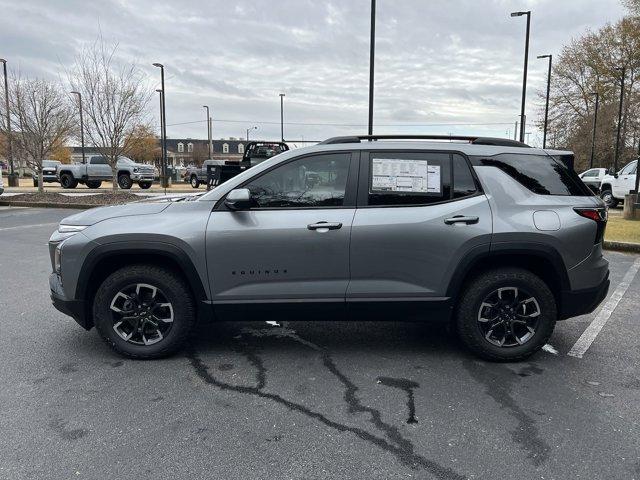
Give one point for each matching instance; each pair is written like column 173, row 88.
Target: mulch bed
column 54, row 199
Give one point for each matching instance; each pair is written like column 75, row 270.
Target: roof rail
column 502, row 142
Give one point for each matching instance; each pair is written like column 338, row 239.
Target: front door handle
column 324, row 226
column 461, row 219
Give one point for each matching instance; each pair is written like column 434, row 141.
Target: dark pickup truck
column 255, row 153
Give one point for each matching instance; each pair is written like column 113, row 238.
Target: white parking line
column 28, row 226
column 592, row 331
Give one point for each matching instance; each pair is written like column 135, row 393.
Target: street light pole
column 161, row 93
column 84, row 159
column 12, row 178
column 524, row 77
column 208, row 131
column 546, row 106
column 249, row 129
column 282, row 117
column 372, row 53
column 595, row 124
column 617, row 152
column 163, row 124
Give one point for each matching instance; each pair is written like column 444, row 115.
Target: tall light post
column 282, row 117
column 208, row 130
column 249, row 129
column 13, row 179
column 595, row 125
column 84, row 159
column 524, row 76
column 372, row 54
column 617, row 152
column 546, row 106
column 163, row 125
column 160, row 93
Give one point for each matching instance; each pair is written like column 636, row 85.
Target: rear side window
column 539, row 173
column 464, row 183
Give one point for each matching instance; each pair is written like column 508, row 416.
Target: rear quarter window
column 540, row 174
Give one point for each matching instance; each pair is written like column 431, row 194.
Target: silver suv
column 495, row 237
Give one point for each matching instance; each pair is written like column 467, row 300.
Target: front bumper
column 142, row 177
column 74, row 308
column 582, row 302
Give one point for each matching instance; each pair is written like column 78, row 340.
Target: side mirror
column 611, row 172
column 238, row 199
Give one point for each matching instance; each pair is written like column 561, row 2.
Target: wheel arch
column 541, row 260
column 106, row 259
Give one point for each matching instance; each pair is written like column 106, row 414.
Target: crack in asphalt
column 402, row 448
column 498, row 387
column 408, row 386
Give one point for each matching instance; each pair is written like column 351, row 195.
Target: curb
column 77, row 206
column 622, row 246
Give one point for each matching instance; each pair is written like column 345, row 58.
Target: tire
column 483, row 337
column 609, row 200
column 94, row 184
column 144, row 185
column 170, row 289
column 67, row 181
column 124, row 181
column 195, row 182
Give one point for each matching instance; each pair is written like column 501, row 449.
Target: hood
column 95, row 215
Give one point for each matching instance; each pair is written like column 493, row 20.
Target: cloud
column 456, row 61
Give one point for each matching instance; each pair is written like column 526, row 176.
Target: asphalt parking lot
column 303, row 400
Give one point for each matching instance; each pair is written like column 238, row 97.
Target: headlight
column 66, row 231
column 135, row 170
column 57, row 259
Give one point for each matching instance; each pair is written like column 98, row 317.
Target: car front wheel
column 124, row 182
column 144, row 311
column 144, row 185
column 195, row 183
column 506, row 314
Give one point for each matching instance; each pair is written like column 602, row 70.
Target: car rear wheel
column 608, row 199
column 195, row 183
column 144, row 311
column 144, row 185
column 94, row 183
column 67, row 181
column 124, row 181
column 506, row 314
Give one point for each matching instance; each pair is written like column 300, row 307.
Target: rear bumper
column 582, row 302
column 73, row 308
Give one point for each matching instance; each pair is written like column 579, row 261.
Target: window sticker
column 404, row 175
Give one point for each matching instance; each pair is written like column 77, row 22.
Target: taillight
column 598, row 215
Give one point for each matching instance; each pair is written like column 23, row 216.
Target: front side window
column 98, row 161
column 314, row 181
column 408, row 178
column 590, row 173
column 539, row 173
column 629, row 169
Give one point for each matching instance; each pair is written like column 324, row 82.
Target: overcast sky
column 448, row 62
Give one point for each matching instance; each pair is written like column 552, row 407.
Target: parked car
column 592, row 178
column 498, row 239
column 49, row 172
column 97, row 170
column 615, row 186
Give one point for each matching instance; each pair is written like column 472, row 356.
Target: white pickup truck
column 97, row 170
column 615, row 186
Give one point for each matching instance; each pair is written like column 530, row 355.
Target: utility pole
column 546, row 107
column 163, row 123
column 282, row 117
column 515, row 132
column 84, row 160
column 13, row 178
column 617, row 152
column 524, row 76
column 595, row 124
column 208, row 131
column 372, row 54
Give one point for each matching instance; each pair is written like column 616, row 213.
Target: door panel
column 273, row 255
column 411, row 251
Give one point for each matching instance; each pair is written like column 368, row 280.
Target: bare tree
column 42, row 120
column 114, row 101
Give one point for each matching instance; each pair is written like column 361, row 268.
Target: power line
column 221, row 120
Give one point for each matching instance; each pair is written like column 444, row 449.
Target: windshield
column 125, row 160
column 50, row 163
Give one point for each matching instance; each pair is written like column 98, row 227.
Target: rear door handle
column 461, row 219
column 324, row 226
